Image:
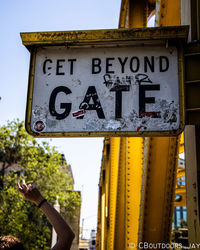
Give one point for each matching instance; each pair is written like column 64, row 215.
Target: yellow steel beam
column 105, row 235
column 134, row 165
column 121, row 199
column 168, row 13
column 138, row 13
column 122, row 203
column 133, row 17
column 112, row 190
column 104, row 211
column 135, row 13
column 161, row 161
column 159, row 185
column 123, row 19
column 102, row 206
column 119, row 193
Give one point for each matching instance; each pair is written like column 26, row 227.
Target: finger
column 25, row 188
column 30, row 187
column 19, row 187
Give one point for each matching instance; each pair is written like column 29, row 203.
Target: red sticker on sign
column 78, row 113
column 39, row 126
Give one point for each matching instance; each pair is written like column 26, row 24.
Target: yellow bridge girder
column 139, row 205
column 122, row 207
column 142, row 201
column 168, row 13
column 161, row 163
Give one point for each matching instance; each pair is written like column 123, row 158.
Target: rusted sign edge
column 107, row 133
column 95, row 36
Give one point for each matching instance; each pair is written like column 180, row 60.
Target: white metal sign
column 116, row 89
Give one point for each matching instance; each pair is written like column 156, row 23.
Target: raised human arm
column 63, row 230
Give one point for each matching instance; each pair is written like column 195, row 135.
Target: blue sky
column 84, row 154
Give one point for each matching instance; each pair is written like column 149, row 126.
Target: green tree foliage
column 37, row 163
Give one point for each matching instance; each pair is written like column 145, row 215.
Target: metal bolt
column 194, row 185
